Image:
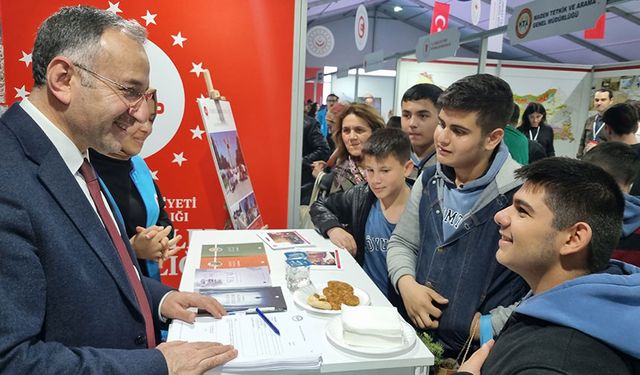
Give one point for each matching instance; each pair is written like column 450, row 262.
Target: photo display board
column 232, row 170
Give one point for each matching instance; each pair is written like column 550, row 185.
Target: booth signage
column 320, row 41
column 361, row 27
column 374, row 61
column 438, row 45
column 497, row 18
column 544, row 18
column 342, row 72
column 476, row 8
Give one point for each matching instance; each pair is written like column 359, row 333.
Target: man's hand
column 151, row 243
column 419, row 302
column 343, row 239
column 474, row 364
column 195, row 358
column 176, row 304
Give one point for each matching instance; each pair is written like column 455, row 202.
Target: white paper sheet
column 258, row 346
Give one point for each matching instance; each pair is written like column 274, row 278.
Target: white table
column 415, row 361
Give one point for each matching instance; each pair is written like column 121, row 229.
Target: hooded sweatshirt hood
column 603, row 305
column 631, row 220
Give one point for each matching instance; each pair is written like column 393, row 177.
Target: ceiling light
column 397, row 8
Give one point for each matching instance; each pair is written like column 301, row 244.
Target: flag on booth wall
column 440, row 17
column 597, row 32
column 252, row 69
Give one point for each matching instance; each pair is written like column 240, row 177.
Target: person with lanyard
column 141, row 205
column 534, row 126
column 593, row 128
column 419, row 120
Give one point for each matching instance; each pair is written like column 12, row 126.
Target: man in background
column 593, row 127
column 332, row 99
column 314, row 148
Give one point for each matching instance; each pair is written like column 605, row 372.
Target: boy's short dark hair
column 621, row 118
column 422, row 91
column 394, row 122
column 386, row 142
column 619, row 159
column 576, row 191
column 488, row 95
column 515, row 115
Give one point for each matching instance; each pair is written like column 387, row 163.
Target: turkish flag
column 440, row 17
column 597, row 32
column 247, row 46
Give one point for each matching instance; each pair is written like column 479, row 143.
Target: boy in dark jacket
column 361, row 219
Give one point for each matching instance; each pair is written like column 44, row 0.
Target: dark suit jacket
column 67, row 306
column 587, row 134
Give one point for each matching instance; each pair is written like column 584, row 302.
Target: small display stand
column 227, row 154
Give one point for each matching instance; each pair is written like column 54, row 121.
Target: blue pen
column 266, row 320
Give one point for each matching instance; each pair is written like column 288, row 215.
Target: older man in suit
column 74, row 300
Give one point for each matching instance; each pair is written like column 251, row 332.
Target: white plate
column 300, row 298
column 334, row 334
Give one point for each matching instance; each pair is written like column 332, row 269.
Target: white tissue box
column 371, row 326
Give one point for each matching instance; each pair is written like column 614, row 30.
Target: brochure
column 268, row 299
column 217, row 256
column 284, row 239
column 320, row 260
column 232, row 278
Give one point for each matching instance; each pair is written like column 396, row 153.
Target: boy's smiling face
column 386, row 176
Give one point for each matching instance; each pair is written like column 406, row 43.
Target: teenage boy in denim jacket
column 441, row 256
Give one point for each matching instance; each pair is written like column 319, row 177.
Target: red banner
column 247, row 45
column 440, row 17
column 597, row 32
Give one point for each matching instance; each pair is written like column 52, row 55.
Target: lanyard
column 596, row 129
column 531, row 135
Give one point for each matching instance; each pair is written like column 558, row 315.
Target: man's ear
column 577, row 239
column 60, row 72
column 494, row 138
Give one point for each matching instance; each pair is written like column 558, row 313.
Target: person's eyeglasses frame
column 133, row 105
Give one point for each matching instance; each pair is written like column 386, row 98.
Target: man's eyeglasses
column 131, row 97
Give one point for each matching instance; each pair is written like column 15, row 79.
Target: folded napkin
column 371, row 326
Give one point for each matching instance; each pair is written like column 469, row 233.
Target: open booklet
column 259, row 347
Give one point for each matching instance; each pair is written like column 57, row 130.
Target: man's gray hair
column 75, row 32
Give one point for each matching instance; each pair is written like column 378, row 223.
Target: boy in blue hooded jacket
column 581, row 315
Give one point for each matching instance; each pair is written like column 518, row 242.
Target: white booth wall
column 622, row 79
column 378, row 86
